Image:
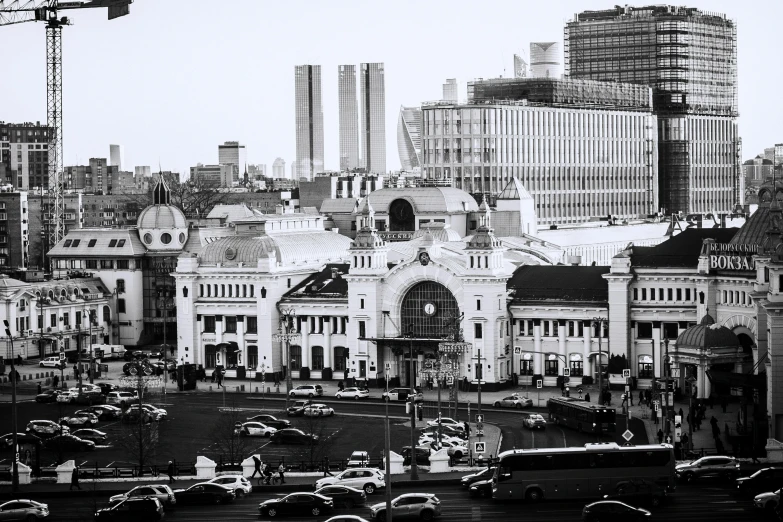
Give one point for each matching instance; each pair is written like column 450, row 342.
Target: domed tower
column 162, row 226
column 369, row 250
column 485, row 252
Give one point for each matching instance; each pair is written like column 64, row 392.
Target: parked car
column 307, row 390
column 140, row 367
column 296, row 504
column 69, row 443
column 160, row 491
column 293, row 436
column 79, row 419
column 96, row 436
column 453, row 449
column 514, row 401
column 132, row 355
column 767, row 502
column 168, row 365
column 237, row 483
column 204, row 493
column 353, row 393
column 131, row 416
column 422, row 455
column 534, row 421
column 485, row 474
column 122, row 398
column 424, row 506
column 270, row 421
column 613, row 510
column 347, row 518
column 23, row 509
column 51, row 362
column 481, row 489
column 254, row 429
column 157, row 414
column 722, row 467
column 401, row 394
column 429, row 438
column 358, row 459
column 638, row 493
column 344, row 496
column 67, row 396
column 46, row 428
column 367, row 479
column 445, row 430
column 766, row 479
column 7, row 440
column 297, row 408
column 318, row 410
column 132, row 510
column 105, row 412
column 107, row 387
column 47, row 396
column 447, row 421
column 156, row 353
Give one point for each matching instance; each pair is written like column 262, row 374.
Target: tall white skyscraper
column 372, row 117
column 309, row 121
column 232, row 153
column 115, row 156
column 409, row 138
column 451, row 90
column 349, row 117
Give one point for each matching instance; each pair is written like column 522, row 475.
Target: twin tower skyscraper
column 362, row 119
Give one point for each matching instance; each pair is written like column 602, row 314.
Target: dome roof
column 237, row 249
column 162, row 216
column 439, row 231
column 707, row 335
column 289, row 249
column 425, row 199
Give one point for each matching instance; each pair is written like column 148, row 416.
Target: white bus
column 580, row 472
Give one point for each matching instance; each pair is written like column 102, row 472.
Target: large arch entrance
column 425, row 310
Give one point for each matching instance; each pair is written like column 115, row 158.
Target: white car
column 534, row 421
column 79, row 419
column 160, row 491
column 121, row 398
column 767, row 501
column 46, row 427
column 24, row 509
column 238, row 483
column 453, row 449
column 318, row 410
column 367, row 479
column 353, row 393
column 68, row 396
column 307, row 390
column 51, row 362
column 255, row 429
column 157, row 414
column 429, row 438
column 447, row 421
column 87, row 388
column 358, row 459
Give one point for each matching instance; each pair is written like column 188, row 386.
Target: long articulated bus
column 587, row 472
column 581, row 415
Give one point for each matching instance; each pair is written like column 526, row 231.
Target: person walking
column 257, row 465
column 340, row 385
column 170, row 472
column 281, row 472
column 587, row 396
column 660, row 435
column 75, row 479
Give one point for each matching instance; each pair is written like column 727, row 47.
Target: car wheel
column 271, row 512
column 496, row 405
column 369, row 488
column 689, row 477
column 534, row 495
column 41, row 365
column 239, row 493
column 310, row 395
column 292, row 394
column 315, row 511
column 427, row 515
column 386, row 398
column 770, row 507
column 268, row 434
column 381, row 516
column 356, row 397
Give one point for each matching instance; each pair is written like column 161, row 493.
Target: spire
column 484, row 220
column 161, row 195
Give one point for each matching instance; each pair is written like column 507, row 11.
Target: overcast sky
column 174, row 79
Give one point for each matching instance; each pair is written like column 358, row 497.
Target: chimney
column 574, row 260
column 278, row 209
column 335, row 273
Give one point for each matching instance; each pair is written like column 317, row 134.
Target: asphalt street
column 704, row 501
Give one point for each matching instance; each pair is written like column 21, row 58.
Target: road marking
column 475, row 514
column 565, row 443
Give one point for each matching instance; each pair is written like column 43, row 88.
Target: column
column 587, row 347
column 328, row 343
column 706, row 383
column 241, row 341
column 656, row 345
column 538, row 366
column 306, row 342
column 561, row 344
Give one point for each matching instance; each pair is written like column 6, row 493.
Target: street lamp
column 665, row 362
column 165, row 303
column 412, row 395
column 286, row 334
column 598, row 321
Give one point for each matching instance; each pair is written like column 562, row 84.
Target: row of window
column 223, row 290
column 664, row 294
column 576, row 365
column 317, row 358
column 551, row 328
column 734, row 297
column 230, row 322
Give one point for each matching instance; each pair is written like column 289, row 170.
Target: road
column 705, row 501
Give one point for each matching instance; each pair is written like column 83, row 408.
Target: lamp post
column 165, row 303
column 412, row 395
column 665, row 395
column 14, row 465
column 598, row 321
column 285, row 335
column 387, row 450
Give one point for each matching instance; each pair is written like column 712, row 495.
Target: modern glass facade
column 578, row 164
column 409, row 138
column 372, row 117
column 349, row 117
column 309, row 121
column 689, row 58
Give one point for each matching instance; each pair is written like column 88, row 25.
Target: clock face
column 430, row 308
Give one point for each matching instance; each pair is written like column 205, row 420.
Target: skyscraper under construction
column 689, row 58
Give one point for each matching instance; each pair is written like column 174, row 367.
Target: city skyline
column 259, row 112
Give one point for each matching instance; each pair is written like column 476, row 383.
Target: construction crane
column 47, row 11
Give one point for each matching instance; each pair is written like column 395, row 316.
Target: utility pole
column 285, row 336
column 387, row 452
column 598, row 321
column 15, row 463
column 479, row 372
column 79, row 354
column 92, row 355
column 412, row 395
column 665, row 394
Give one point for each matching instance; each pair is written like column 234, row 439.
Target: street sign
column 517, row 350
column 566, row 372
column 388, row 366
column 675, row 373
column 62, row 356
column 627, row 389
column 656, row 405
column 449, row 380
column 479, row 447
column 539, row 383
column 628, row 435
column 626, row 373
column 479, row 418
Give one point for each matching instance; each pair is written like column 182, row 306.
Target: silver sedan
column 514, row 401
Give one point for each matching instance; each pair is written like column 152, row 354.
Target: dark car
column 485, row 474
column 343, row 496
column 7, row 440
column 293, row 436
column 69, row 443
column 638, row 493
column 96, row 436
column 612, row 510
column 445, row 430
column 104, row 412
column 204, row 493
column 156, row 353
column 422, row 455
column 481, row 488
column 297, row 409
column 131, row 416
column 766, row 479
column 271, row 421
column 134, row 355
column 89, row 397
column 47, row 396
column 133, row 509
column 107, row 387
column 296, row 504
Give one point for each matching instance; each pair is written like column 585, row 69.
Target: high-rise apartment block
column 14, row 229
column 213, row 176
column 520, row 67
column 24, row 155
column 349, row 117
column 545, row 60
column 372, row 117
column 309, row 121
column 232, row 153
column 115, row 156
column 278, row 168
column 451, row 90
column 409, row 138
column 98, row 177
column 583, row 149
column 689, row 58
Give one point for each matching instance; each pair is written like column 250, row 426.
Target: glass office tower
column 309, row 121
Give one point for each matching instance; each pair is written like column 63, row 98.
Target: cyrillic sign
column 727, row 256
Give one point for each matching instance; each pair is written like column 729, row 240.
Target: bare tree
column 141, row 436
column 226, row 437
column 314, row 451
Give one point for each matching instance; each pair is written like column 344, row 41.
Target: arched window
column 340, row 358
column 106, row 314
column 317, row 358
column 425, row 325
column 210, row 359
column 526, row 364
column 296, row 357
column 550, row 365
column 184, row 291
column 576, row 364
column 645, row 367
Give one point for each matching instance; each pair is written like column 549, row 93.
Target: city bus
column 581, row 415
column 587, row 472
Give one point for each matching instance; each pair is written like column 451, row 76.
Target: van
column 109, row 351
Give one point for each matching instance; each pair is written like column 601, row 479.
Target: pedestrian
column 580, row 391
column 170, row 472
column 723, row 404
column 340, row 385
column 39, row 388
column 660, row 435
column 754, row 455
column 689, row 415
column 257, row 465
column 630, row 397
column 684, row 439
column 465, row 384
column 587, row 396
column 655, row 417
column 219, row 378
column 327, row 471
column 641, row 397
column 281, row 471
column 171, row 351
column 214, row 374
column 55, row 381
column 75, row 372
column 75, row 479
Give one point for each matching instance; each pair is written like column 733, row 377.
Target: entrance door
column 363, row 369
column 407, row 372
